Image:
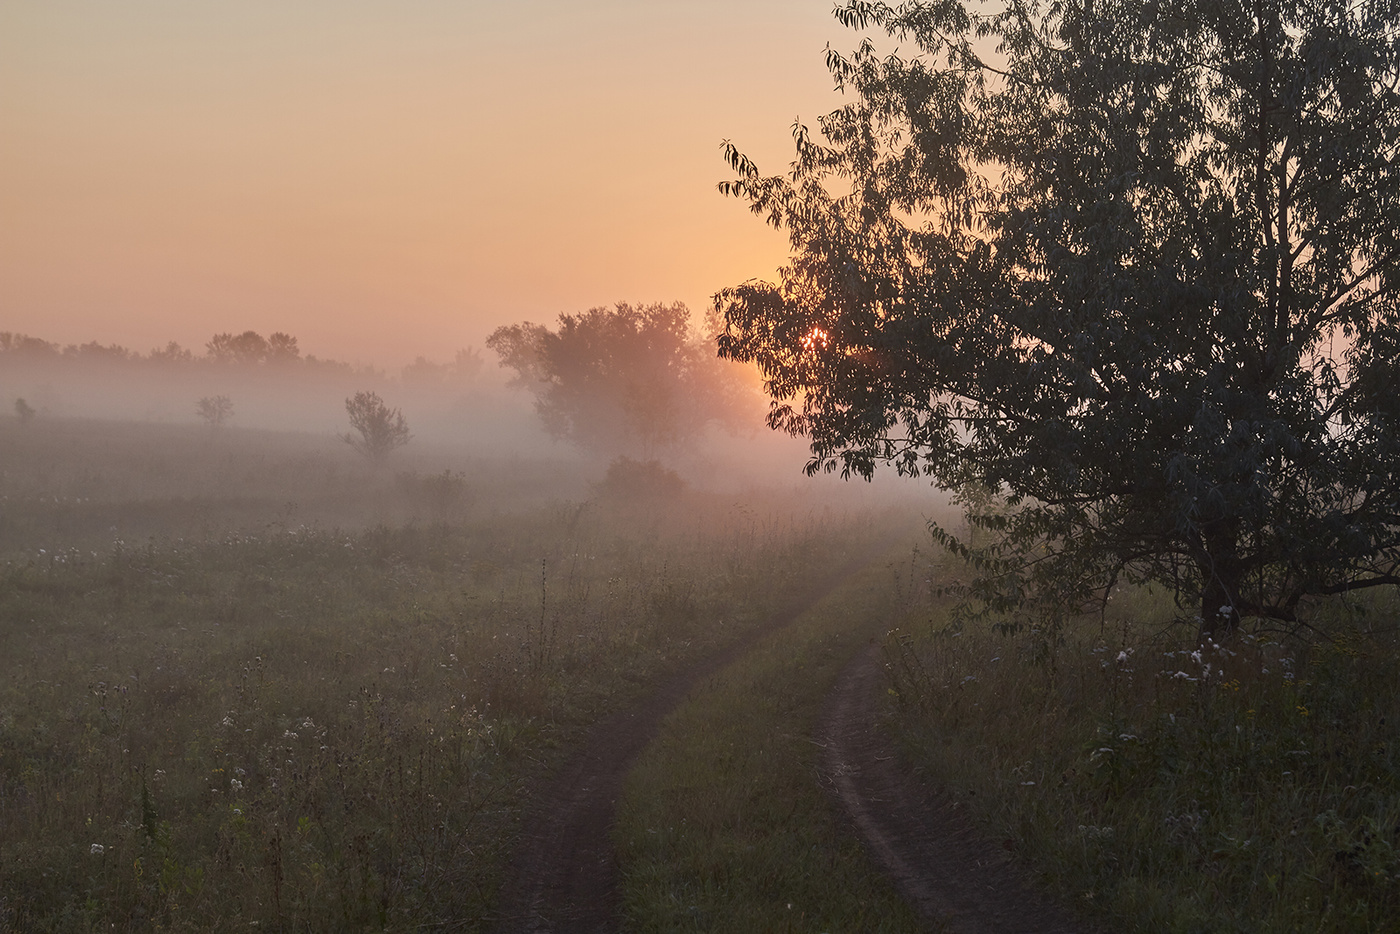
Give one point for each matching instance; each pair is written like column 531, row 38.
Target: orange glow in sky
column 381, row 179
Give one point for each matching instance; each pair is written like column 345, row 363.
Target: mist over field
column 445, row 402
column 116, row 448
column 258, row 666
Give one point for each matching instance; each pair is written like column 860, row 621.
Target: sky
column 385, row 180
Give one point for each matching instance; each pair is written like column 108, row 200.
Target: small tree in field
column 24, row 411
column 215, row 410
column 378, row 428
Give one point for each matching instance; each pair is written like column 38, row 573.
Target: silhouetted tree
column 282, row 348
column 1137, row 271
column 248, row 347
column 378, row 428
column 171, row 353
column 93, row 352
column 215, row 410
column 11, row 342
column 464, row 369
column 24, row 411
column 621, row 378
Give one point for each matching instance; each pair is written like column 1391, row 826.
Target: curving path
column 951, row 876
column 562, row 878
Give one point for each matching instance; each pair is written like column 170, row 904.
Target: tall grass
column 318, row 730
column 1247, row 786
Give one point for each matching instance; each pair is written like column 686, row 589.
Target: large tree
column 1132, row 265
column 628, row 379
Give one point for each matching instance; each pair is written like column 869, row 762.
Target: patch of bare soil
column 563, row 876
column 958, row 881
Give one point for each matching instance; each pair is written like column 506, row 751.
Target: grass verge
column 724, row 825
column 1251, row 786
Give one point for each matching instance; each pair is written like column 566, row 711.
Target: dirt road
column 955, row 879
column 563, row 875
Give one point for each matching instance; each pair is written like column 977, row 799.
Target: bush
column 637, row 481
column 442, row 495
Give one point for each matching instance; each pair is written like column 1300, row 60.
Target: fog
column 307, row 396
column 116, row 450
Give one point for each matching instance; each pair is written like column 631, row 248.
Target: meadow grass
column 1252, row 785
column 319, row 730
column 724, row 825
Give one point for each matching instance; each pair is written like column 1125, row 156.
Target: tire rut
column 562, row 878
column 954, row 879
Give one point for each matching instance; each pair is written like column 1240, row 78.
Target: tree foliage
column 378, row 429
column 171, row 354
column 1130, row 265
column 622, row 379
column 464, row 370
column 250, row 347
column 215, row 410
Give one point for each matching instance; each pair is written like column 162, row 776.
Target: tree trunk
column 1219, row 614
column 1220, row 586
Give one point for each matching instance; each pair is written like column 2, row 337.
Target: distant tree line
column 248, row 349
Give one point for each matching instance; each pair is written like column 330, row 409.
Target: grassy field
column 315, row 727
column 724, row 826
column 1252, row 786
column 249, row 681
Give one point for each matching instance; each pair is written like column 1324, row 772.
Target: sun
column 816, row 339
